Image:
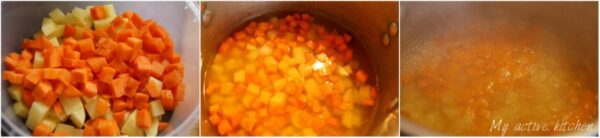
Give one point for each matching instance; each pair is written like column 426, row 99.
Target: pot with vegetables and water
column 298, row 90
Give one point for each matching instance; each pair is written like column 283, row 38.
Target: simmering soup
column 498, row 79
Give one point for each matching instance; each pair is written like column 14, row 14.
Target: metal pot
column 366, row 21
column 574, row 23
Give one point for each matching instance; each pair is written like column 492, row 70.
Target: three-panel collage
column 299, row 68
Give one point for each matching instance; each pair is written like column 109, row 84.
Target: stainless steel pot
column 366, row 21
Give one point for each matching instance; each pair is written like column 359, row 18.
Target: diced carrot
column 97, row 12
column 97, row 63
column 71, row 91
column 162, row 126
column 224, row 127
column 157, row 69
column 214, row 109
column 69, row 31
column 119, row 116
column 50, row 98
column 132, row 87
column 11, row 62
column 119, row 65
column 118, row 105
column 51, row 74
column 153, row 45
column 42, row 130
column 89, row 130
column 106, row 74
column 107, row 128
column 118, row 21
column 153, row 90
column 235, row 120
column 143, row 120
column 102, row 107
column 64, row 76
column 361, row 76
column 32, row 77
column 141, row 100
column 214, row 119
column 137, row 20
column 167, row 100
column 123, row 51
column 58, row 109
column 118, row 86
column 13, row 77
column 52, row 58
column 85, row 45
column 172, row 79
column 179, row 92
column 27, row 98
column 42, row 89
column 90, row 88
column 73, row 63
column 80, row 75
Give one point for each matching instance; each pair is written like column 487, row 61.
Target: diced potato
column 64, row 128
column 54, row 42
column 156, row 108
column 76, row 132
column 20, row 109
column 91, row 109
column 109, row 11
column 36, row 114
column 38, row 60
column 78, row 117
column 109, row 115
column 253, row 89
column 130, row 127
column 48, row 26
column 364, row 94
column 58, row 32
column 57, row 15
column 82, row 17
column 71, row 104
column 153, row 129
column 50, row 122
column 351, row 119
column 87, row 99
column 15, row 92
column 239, row 76
column 278, row 99
column 345, row 70
column 102, row 24
column 298, row 55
